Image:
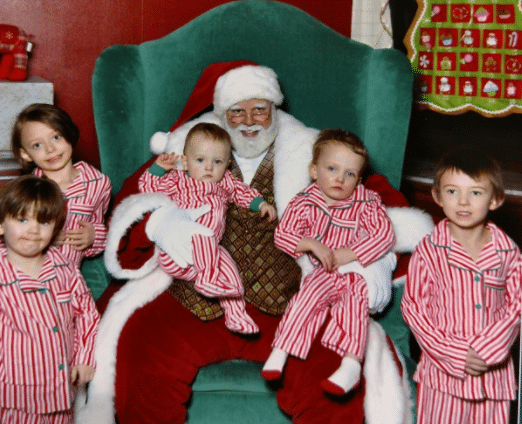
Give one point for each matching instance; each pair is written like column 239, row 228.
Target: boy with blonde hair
column 335, row 220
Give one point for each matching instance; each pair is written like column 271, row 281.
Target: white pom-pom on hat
column 245, row 83
column 158, row 142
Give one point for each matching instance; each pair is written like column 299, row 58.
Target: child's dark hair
column 474, row 163
column 339, row 136
column 213, row 131
column 48, row 114
column 41, row 195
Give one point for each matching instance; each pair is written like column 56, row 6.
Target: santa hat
column 224, row 84
column 228, row 83
column 247, row 82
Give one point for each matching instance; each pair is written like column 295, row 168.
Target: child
column 206, row 181
column 47, row 314
column 462, row 299
column 335, row 221
column 43, row 140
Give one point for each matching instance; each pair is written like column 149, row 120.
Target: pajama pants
column 344, row 297
column 434, row 407
column 215, row 275
column 16, row 416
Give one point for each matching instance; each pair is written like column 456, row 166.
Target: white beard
column 246, row 147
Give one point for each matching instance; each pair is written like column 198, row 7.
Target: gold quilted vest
column 270, row 276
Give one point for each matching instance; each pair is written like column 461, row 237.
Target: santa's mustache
column 249, row 128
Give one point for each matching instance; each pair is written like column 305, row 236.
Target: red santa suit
column 132, row 334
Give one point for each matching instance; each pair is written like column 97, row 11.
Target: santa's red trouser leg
column 163, row 345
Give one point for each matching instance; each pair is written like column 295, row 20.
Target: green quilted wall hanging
column 467, row 55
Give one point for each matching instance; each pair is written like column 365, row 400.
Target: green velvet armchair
column 328, row 81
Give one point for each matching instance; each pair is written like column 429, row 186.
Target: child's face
column 337, row 172
column 206, row 159
column 44, row 146
column 465, row 201
column 25, row 237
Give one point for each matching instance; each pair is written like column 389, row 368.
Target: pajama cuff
column 157, row 170
column 256, row 203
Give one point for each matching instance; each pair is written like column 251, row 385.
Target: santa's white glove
column 172, row 229
column 378, row 276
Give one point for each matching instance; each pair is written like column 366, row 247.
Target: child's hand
column 267, row 209
column 343, row 256
column 82, row 238
column 167, row 161
column 81, row 374
column 475, row 365
column 59, row 240
column 324, row 254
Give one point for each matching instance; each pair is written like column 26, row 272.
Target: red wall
column 70, row 35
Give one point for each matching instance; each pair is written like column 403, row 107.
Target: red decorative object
column 14, row 51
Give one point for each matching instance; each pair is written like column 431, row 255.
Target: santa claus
column 157, row 333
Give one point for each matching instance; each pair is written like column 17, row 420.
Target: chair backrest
column 328, row 81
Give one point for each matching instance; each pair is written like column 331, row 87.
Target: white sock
column 276, row 361
column 347, row 375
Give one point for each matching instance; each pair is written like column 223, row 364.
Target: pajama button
column 477, row 306
column 477, row 278
column 56, row 329
column 61, row 367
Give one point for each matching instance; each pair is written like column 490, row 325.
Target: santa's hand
column 172, row 229
column 378, row 276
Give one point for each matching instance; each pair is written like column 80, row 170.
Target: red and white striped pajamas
column 16, row 416
column 452, row 303
column 48, row 325
column 214, row 271
column 87, row 199
column 359, row 222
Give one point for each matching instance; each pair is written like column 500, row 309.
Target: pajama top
column 190, row 193
column 87, row 199
column 359, row 222
column 47, row 326
column 452, row 303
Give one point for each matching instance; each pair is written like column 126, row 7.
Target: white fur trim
column 130, row 210
column 245, row 83
column 292, row 157
column 132, row 296
column 388, row 395
column 410, row 226
column 399, row 281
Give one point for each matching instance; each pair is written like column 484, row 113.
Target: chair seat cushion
column 252, row 401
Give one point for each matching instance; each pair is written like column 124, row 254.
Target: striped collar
column 10, row 275
column 489, row 258
column 316, row 198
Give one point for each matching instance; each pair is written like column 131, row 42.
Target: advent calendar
column 467, row 55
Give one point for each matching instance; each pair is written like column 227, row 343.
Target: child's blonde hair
column 212, row 131
column 343, row 137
